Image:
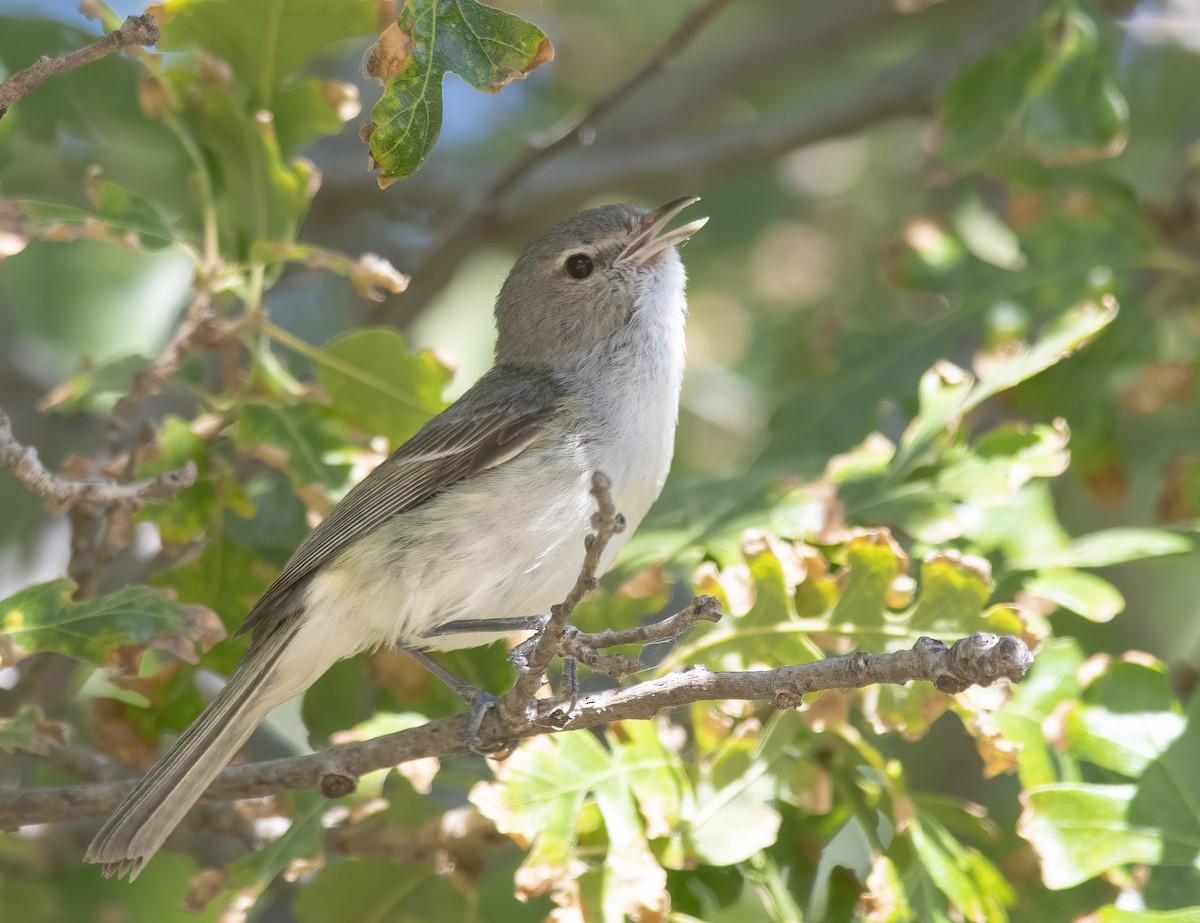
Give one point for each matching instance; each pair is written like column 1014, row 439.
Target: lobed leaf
column 486, row 47
column 45, row 618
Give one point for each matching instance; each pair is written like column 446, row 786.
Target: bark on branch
column 63, row 493
column 136, row 30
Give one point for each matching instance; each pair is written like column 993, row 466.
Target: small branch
column 136, row 30
column 200, row 329
column 586, row 648
column 607, row 522
column 472, row 222
column 63, row 493
column 981, row 659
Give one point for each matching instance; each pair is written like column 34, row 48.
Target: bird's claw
column 520, row 654
column 481, row 703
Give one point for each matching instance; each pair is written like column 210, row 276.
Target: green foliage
column 1049, row 95
column 375, row 384
column 45, row 618
column 971, row 438
column 487, row 48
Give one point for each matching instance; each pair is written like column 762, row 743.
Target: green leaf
column 308, row 436
column 970, row 882
column 735, row 814
column 1081, row 830
column 540, row 795
column 376, row 384
column 1084, row 594
column 1049, row 94
column 269, row 42
column 185, row 515
column 875, row 560
column 488, row 48
column 45, row 618
column 1051, row 680
column 1116, row 915
column 381, row 891
column 1125, row 718
column 947, row 392
column 116, row 208
column 258, row 194
column 1001, row 462
column 96, row 388
column 954, row 589
column 1112, row 546
column 226, row 578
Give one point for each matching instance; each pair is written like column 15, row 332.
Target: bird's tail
column 167, row 792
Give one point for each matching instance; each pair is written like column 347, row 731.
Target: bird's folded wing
column 492, row 423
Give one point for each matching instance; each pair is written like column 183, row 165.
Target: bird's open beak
column 649, row 244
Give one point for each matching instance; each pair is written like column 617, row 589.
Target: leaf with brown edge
column 487, row 48
column 30, row 732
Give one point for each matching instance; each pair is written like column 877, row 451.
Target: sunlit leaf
column 376, row 384
column 1112, row 546
column 1083, row 593
column 45, row 618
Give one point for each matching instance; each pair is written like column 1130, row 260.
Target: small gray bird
column 481, row 515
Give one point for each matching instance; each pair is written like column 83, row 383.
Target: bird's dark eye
column 579, row 265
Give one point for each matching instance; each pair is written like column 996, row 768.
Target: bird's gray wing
column 492, row 423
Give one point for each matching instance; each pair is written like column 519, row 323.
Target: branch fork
column 63, row 493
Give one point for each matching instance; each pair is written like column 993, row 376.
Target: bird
column 481, row 515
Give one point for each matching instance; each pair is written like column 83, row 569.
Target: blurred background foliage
column 904, row 195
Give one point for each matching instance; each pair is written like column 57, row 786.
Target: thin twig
column 63, row 493
column 136, row 30
column 702, row 609
column 981, row 659
column 472, row 222
column 607, row 522
column 199, row 329
column 585, row 648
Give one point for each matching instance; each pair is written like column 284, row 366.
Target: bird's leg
column 519, row 655
column 567, row 707
column 487, row 626
column 480, row 700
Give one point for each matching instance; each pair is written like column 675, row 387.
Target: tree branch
column 63, row 493
column 136, row 30
column 981, row 659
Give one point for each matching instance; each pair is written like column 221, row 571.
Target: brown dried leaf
column 205, row 885
column 372, row 276
column 648, row 581
column 116, row 737
column 152, row 98
column 202, row 628
column 388, row 56
column 342, row 98
column 830, row 710
column 1159, row 384
column 640, row 881
column 559, row 880
column 1181, row 489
